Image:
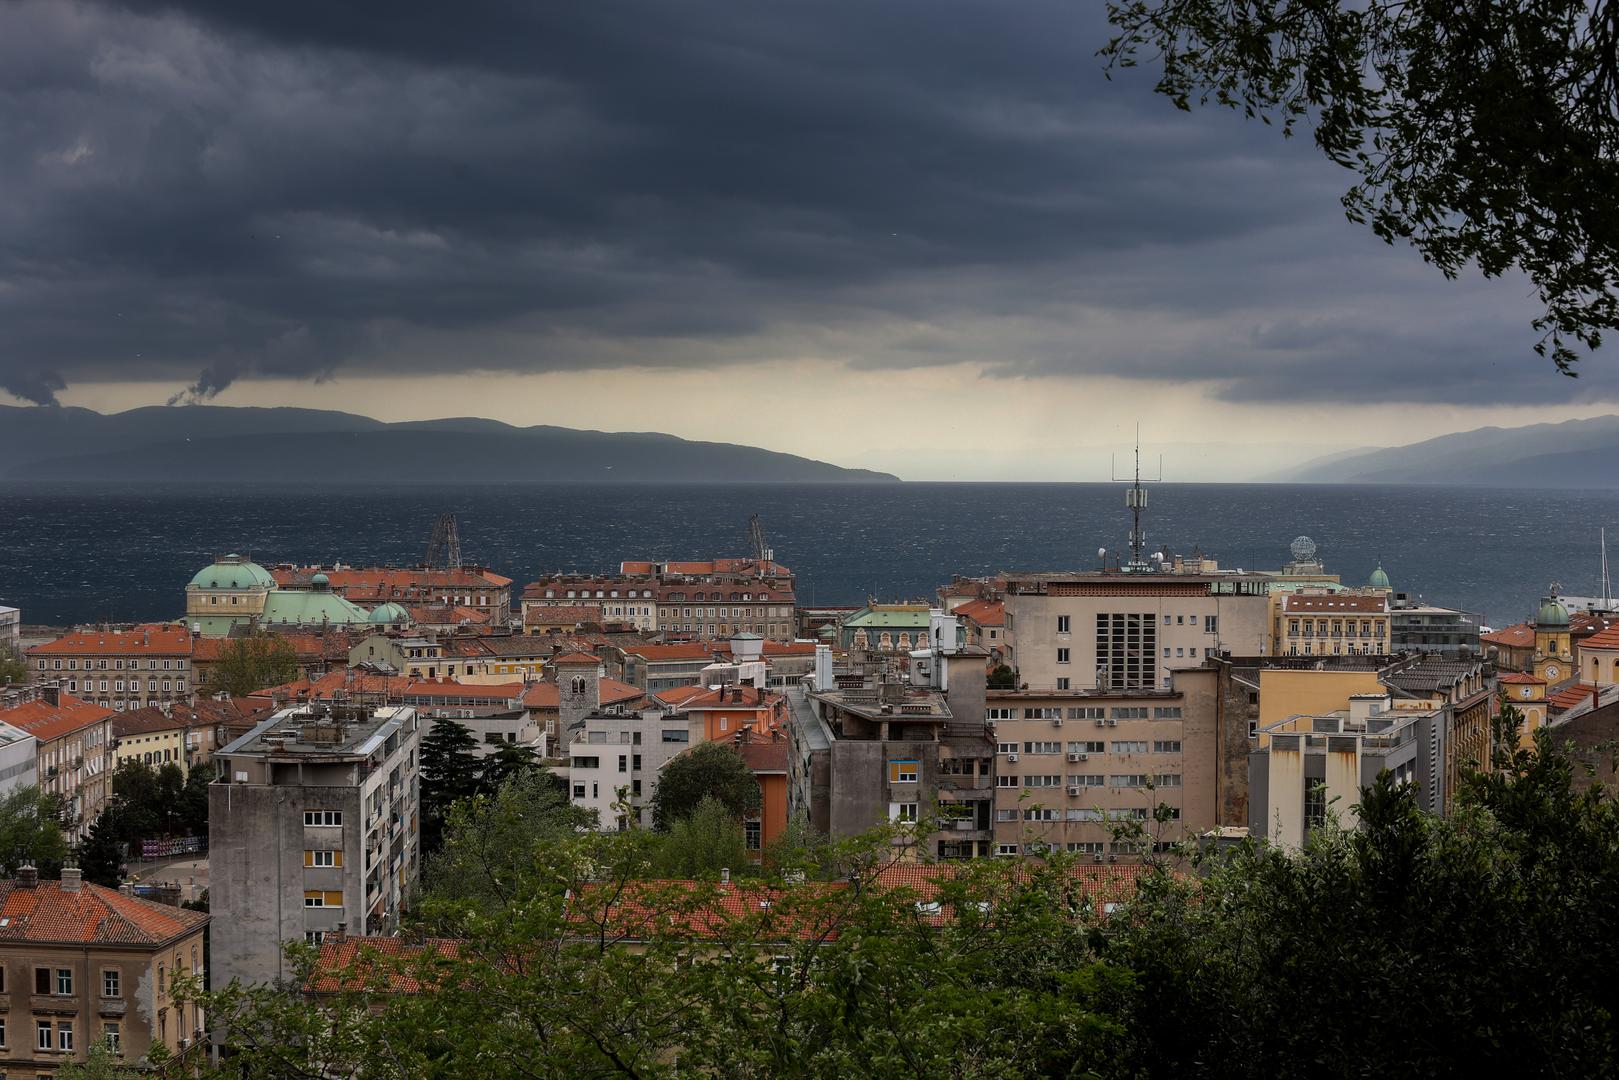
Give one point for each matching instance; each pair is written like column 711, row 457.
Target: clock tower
column 1527, row 694
column 1554, row 645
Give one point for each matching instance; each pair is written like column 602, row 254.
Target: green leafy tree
column 31, row 831
column 1001, row 678
column 1483, row 134
column 101, row 856
column 450, row 771
column 252, row 663
column 99, row 1064
column 703, row 843
column 708, row 770
column 13, row 668
column 491, row 840
column 192, row 809
column 506, row 763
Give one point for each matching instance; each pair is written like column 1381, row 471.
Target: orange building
column 767, row 757
column 724, row 711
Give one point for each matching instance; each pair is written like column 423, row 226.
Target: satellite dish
column 1101, row 553
column 1303, row 549
column 1158, row 556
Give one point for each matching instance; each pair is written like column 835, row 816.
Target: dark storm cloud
column 196, row 192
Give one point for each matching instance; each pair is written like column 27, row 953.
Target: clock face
column 1551, row 671
column 1524, row 692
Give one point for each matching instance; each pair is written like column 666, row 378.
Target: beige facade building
column 1121, row 631
column 1074, row 767
column 74, row 740
column 1329, row 624
column 81, row 965
column 120, row 669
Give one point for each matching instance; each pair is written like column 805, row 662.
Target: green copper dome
column 234, row 572
column 1552, row 613
column 1379, row 579
column 389, row 613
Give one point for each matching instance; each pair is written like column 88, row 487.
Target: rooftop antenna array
column 444, row 546
column 1135, row 499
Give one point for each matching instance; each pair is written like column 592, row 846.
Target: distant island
column 315, row 446
column 1573, row 454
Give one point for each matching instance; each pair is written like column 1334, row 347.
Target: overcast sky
column 925, row 237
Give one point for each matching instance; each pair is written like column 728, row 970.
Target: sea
column 89, row 553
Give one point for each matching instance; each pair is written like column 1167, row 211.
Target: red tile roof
column 1515, row 677
column 45, row 721
column 679, row 695
column 1603, row 639
column 388, row 581
column 575, row 659
column 545, row 695
column 1513, row 637
column 729, row 698
column 561, row 615
column 447, row 688
column 153, row 640
column 984, row 612
column 143, row 721
column 1334, row 603
column 1570, row 696
column 347, row 681
column 765, row 755
column 448, row 615
column 388, row 965
column 91, row 915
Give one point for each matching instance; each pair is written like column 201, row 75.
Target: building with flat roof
column 1430, row 628
column 10, row 630
column 1329, row 624
column 313, row 830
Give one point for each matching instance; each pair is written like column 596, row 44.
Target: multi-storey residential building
column 662, row 667
column 985, row 622
column 81, row 965
column 10, row 631
column 423, row 655
column 313, row 828
column 473, row 587
column 1311, row 766
column 120, row 669
column 1430, row 628
column 1329, row 624
column 864, row 750
column 614, row 759
column 493, row 712
column 74, row 751
column 711, row 610
column 1076, row 770
column 703, row 599
column 1122, row 630
column 186, row 735
column 633, row 601
column 19, row 758
column 564, row 618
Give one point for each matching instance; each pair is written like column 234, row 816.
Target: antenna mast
column 444, row 546
column 1607, row 584
column 756, row 538
column 1135, row 500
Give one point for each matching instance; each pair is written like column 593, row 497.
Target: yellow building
column 1329, row 624
column 1599, row 658
column 1526, row 693
column 1554, row 644
column 1289, row 692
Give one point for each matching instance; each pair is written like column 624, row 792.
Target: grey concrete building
column 313, row 829
column 1429, row 628
column 1120, row 630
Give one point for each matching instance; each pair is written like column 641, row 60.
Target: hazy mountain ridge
column 1572, row 454
column 316, row 446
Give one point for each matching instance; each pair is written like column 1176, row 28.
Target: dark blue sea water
column 83, row 553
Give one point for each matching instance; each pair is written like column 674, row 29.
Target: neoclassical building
column 236, row 591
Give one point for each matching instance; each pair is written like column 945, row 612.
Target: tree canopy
column 1483, row 133
column 450, row 772
column 252, row 663
column 709, row 770
column 31, row 831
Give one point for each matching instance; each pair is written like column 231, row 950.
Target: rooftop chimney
column 51, row 694
column 725, row 875
column 72, row 879
column 27, row 876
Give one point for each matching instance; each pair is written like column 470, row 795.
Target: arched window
column 578, row 685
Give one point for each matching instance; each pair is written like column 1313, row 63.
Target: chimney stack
column 27, row 876
column 51, row 694
column 72, row 879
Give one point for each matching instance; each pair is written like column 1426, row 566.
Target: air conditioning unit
column 1083, row 756
column 1056, row 721
column 1099, row 723
column 1073, row 791
column 1011, row 757
column 1112, row 723
column 1076, row 757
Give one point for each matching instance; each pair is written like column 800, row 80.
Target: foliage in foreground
column 1411, row 946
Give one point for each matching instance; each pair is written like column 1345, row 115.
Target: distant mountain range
column 1574, row 454
column 313, row 446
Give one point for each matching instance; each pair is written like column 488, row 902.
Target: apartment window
column 1042, row 748
column 112, row 1036
column 1040, row 814
column 1062, row 656
column 902, row 811
column 323, row 818
column 1085, row 847
column 42, row 1030
column 1167, row 779
column 1166, row 652
column 64, row 982
column 999, row 714
column 1293, row 626
column 161, row 984
column 1063, row 683
column 1211, row 624
column 1129, row 780
column 111, row 984
column 1166, row 746
column 902, row 772
column 1087, row 747
column 323, row 899
column 1005, row 780
column 623, row 763
column 1087, row 779
column 1006, row 814
column 1040, row 780
column 1006, row 849
column 1086, row 712
column 1167, row 712
column 753, row 833
column 676, row 735
column 1062, row 624
column 1129, row 712
column 1130, row 746
column 578, row 791
column 1006, row 748
column 1085, row 814
column 64, row 1034
column 42, row 980
column 323, row 858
